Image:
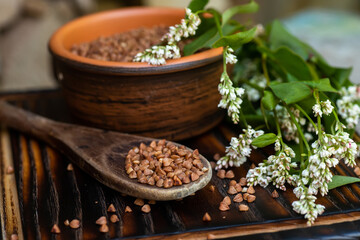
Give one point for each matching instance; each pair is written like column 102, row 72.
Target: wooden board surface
column 42, row 192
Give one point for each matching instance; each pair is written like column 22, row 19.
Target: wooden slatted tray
column 42, row 192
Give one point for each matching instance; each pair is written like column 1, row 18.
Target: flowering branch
column 157, row 55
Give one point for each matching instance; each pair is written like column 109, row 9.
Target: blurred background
column 331, row 26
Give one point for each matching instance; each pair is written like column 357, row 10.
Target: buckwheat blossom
column 306, row 204
column 260, row 30
column 276, row 169
column 326, row 153
column 239, row 149
column 231, row 97
column 230, row 58
column 187, row 28
column 252, row 93
column 326, row 107
column 287, row 126
column 157, row 55
column 317, row 110
column 348, row 109
column 322, row 108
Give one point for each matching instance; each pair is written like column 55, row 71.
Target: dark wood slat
column 77, row 212
column 119, row 206
column 148, row 224
column 92, row 197
column 10, row 218
column 174, row 218
column 18, row 163
column 34, row 194
column 68, row 194
column 52, row 199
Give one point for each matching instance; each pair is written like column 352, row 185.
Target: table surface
column 42, row 192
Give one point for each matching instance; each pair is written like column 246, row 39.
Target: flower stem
column 264, row 67
column 299, row 129
column 243, row 119
column 260, row 89
column 277, row 124
column 306, row 115
column 317, row 99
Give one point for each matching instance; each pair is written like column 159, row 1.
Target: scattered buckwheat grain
column 221, row 173
column 114, row 218
column 69, row 167
column 251, row 190
column 243, row 208
column 146, row 208
column 251, row 198
column 128, row 209
column 101, row 220
column 275, row 194
column 230, row 174
column 55, row 229
column 227, row 200
column 231, row 190
column 357, row 171
column 9, row 170
column 139, row 202
column 206, row 217
column 111, row 208
column 104, row 228
column 74, row 223
column 238, row 198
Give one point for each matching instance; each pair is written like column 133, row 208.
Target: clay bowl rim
column 58, row 50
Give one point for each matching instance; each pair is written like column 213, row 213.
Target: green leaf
column 200, row 42
column 264, row 140
column 291, row 92
column 269, row 101
column 235, row 40
column 280, row 37
column 340, row 76
column 196, row 5
column 246, row 8
column 338, row 181
column 293, row 63
column 322, row 85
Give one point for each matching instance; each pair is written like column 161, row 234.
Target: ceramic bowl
column 174, row 101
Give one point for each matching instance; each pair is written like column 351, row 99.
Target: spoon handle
column 26, row 122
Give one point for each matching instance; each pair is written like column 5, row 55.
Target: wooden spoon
column 98, row 152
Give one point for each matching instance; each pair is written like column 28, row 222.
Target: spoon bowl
column 98, row 152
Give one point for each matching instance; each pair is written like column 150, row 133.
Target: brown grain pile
column 122, row 47
column 164, row 164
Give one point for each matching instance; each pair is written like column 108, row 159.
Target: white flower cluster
column 347, row 107
column 322, row 108
column 252, row 93
column 287, row 126
column 230, row 58
column 157, row 55
column 239, row 149
column 186, row 29
column 306, row 204
column 275, row 169
column 231, row 97
column 326, row 154
column 260, row 30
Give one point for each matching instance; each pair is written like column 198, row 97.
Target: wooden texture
column 98, row 152
column 174, row 101
column 48, row 193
